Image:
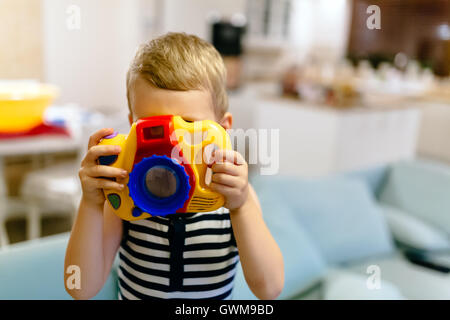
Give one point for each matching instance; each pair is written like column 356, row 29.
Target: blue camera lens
column 159, row 185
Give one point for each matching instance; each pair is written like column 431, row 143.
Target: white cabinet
column 316, row 141
column 434, row 137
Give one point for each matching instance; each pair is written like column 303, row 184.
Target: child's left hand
column 230, row 177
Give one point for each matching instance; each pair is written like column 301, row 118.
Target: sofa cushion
column 421, row 189
column 35, row 270
column 375, row 178
column 303, row 264
column 339, row 214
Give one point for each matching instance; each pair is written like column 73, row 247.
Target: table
column 27, row 146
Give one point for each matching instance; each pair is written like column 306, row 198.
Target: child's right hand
column 91, row 173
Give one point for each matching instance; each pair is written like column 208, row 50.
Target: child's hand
column 230, row 177
column 91, row 173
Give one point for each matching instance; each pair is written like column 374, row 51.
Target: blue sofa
column 330, row 230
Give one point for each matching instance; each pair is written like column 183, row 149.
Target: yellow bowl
column 22, row 106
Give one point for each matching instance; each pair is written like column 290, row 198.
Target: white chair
column 51, row 190
column 56, row 189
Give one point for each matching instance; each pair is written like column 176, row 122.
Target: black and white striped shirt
column 181, row 256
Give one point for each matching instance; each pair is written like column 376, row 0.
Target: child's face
column 191, row 105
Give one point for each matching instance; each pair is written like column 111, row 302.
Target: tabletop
column 38, row 145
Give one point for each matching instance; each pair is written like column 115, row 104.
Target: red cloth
column 41, row 129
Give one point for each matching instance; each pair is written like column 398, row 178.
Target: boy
column 186, row 255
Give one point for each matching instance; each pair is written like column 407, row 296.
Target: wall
column 317, row 26
column 320, row 28
column 191, row 16
column 20, row 39
column 89, row 64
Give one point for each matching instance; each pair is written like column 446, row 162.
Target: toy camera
column 165, row 157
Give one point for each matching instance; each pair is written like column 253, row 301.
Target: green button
column 114, row 199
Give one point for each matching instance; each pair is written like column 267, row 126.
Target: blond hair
column 178, row 61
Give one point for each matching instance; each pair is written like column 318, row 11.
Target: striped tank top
column 180, row 256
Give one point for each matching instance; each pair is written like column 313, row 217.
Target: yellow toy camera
column 165, row 157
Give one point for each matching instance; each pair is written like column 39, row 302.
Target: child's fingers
column 225, row 179
column 227, row 156
column 96, row 151
column 98, row 135
column 106, row 171
column 226, row 167
column 224, row 190
column 105, row 184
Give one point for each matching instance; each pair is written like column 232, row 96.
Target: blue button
column 136, row 212
column 107, row 160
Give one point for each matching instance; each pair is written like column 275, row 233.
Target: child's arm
column 97, row 231
column 261, row 258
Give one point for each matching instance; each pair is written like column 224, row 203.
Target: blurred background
column 360, row 95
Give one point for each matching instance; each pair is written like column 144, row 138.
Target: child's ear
column 130, row 118
column 227, row 121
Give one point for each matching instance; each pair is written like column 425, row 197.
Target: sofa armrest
column 413, row 232
column 421, row 189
